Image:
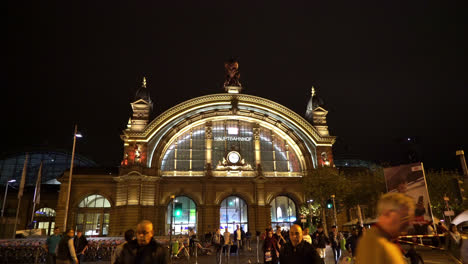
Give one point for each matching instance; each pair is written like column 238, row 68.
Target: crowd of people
column 378, row 244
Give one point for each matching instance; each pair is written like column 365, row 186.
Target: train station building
column 218, row 160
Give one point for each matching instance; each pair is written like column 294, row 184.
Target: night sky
column 386, row 71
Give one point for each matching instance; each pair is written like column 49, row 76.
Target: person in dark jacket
column 270, row 248
column 144, row 249
column 66, row 250
column 320, row 241
column 351, row 242
column 297, row 251
column 335, row 239
column 81, row 245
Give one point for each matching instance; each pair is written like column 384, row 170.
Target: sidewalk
column 243, row 257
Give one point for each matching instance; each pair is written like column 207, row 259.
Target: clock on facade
column 233, row 157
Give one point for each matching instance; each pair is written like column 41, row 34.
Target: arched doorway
column 93, row 215
column 184, row 216
column 233, row 212
column 44, row 218
column 283, row 212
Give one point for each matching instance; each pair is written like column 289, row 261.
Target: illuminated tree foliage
column 444, row 183
column 321, row 183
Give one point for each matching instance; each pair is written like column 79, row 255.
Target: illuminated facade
column 228, row 159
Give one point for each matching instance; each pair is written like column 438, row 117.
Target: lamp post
column 170, row 232
column 5, row 197
column 334, row 208
column 75, row 135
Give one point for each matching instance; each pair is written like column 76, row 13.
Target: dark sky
column 386, row 71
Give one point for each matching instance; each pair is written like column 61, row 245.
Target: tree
column 363, row 187
column 321, row 183
column 444, row 183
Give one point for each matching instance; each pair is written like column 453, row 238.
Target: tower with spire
column 316, row 113
column 141, row 107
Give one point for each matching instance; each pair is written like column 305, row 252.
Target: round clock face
column 233, row 157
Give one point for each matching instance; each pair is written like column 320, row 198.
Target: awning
column 463, row 217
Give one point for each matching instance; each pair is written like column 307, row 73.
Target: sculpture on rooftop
column 232, row 73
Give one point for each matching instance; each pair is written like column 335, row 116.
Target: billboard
column 410, row 180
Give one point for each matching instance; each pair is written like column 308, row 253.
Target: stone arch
column 167, row 200
column 296, row 198
column 221, row 197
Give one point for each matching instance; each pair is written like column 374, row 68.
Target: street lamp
column 75, row 135
column 6, row 191
column 334, row 208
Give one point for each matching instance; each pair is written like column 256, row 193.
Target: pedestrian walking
column 66, row 250
column 144, row 249
column 227, row 242
column 335, row 238
column 279, row 237
column 454, row 241
column 81, row 245
column 306, row 236
column 351, row 242
column 270, row 248
column 395, row 212
column 239, row 236
column 297, row 251
column 248, row 240
column 129, row 236
column 51, row 244
column 218, row 241
column 320, row 241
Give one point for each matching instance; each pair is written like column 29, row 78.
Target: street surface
column 429, row 256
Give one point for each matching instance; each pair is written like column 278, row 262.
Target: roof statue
column 144, row 82
column 313, row 103
column 232, row 74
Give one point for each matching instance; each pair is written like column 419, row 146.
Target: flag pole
column 70, row 179
column 20, row 192
column 37, row 192
column 427, row 192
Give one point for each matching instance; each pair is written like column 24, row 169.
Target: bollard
column 196, row 253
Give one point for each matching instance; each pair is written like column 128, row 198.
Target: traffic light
column 178, row 209
column 329, row 204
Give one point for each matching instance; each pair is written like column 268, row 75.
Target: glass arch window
column 233, row 212
column 283, row 211
column 95, row 201
column 188, row 151
column 184, row 217
column 93, row 215
column 47, row 212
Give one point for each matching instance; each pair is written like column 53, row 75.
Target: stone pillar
column 256, row 132
column 209, row 142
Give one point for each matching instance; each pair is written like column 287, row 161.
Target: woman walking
column 270, row 248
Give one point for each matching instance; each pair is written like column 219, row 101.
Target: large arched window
column 184, row 216
column 283, row 211
column 233, row 212
column 187, row 152
column 93, row 215
column 44, row 218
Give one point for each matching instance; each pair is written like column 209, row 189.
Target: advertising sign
column 410, row 180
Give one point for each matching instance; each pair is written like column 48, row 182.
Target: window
column 93, row 216
column 233, row 212
column 283, row 211
column 184, row 217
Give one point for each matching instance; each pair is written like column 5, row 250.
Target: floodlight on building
column 13, row 180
